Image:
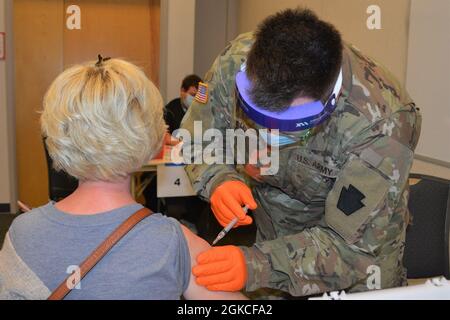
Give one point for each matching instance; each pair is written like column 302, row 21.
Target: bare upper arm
column 194, row 291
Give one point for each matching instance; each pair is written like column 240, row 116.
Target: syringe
column 228, row 227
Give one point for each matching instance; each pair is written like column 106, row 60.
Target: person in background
column 102, row 122
column 189, row 210
column 175, row 110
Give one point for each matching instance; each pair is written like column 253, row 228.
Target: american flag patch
column 202, row 93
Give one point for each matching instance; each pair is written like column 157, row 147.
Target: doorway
column 45, row 44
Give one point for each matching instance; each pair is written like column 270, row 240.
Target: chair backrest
column 5, row 221
column 60, row 184
column 427, row 237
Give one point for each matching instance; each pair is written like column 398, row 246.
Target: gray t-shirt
column 151, row 262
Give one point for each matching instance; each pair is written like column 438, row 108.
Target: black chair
column 60, row 184
column 5, row 222
column 427, row 238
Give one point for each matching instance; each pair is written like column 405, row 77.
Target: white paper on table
column 173, row 182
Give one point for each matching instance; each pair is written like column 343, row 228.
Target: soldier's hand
column 221, row 269
column 227, row 201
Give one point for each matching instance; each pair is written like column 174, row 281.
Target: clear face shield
column 295, row 125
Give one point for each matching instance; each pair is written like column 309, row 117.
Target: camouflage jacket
column 334, row 216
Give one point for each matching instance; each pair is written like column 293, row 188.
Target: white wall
column 177, row 45
column 7, row 154
column 193, row 33
column 428, row 79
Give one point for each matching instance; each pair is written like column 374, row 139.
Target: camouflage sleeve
column 215, row 114
column 360, row 245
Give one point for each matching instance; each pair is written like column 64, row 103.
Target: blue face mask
column 187, row 101
column 276, row 140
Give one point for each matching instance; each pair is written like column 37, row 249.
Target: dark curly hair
column 294, row 55
column 190, row 81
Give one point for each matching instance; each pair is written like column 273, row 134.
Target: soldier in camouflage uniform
column 337, row 208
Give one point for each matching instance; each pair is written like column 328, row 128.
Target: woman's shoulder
column 31, row 219
column 29, row 227
column 160, row 225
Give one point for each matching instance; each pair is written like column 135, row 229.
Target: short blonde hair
column 102, row 121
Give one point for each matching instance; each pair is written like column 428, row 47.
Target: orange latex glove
column 227, row 201
column 221, row 269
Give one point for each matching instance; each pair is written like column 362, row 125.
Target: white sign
column 173, row 182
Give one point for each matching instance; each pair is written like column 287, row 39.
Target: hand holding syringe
column 228, row 227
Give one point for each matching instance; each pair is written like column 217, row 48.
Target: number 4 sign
column 2, row 46
column 173, row 182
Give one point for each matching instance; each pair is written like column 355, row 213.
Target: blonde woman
column 102, row 121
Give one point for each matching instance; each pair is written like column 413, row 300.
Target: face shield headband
column 294, row 118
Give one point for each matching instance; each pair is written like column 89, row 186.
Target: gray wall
column 215, row 26
column 428, row 79
column 177, row 45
